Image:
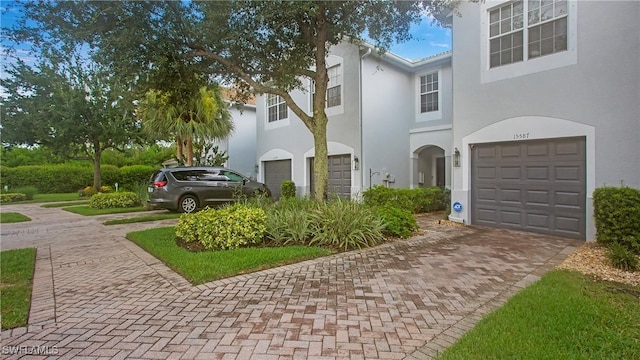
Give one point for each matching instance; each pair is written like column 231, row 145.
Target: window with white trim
column 429, row 89
column 334, row 87
column 534, row 27
column 276, row 108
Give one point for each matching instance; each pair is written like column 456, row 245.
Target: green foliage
column 152, row 155
column 20, row 156
column 621, row 257
column 13, row 217
column 288, row 189
column 397, row 222
column 416, row 200
column 617, row 212
column 346, row 225
column 12, row 197
column 226, row 228
column 16, row 274
column 114, row 200
column 51, row 179
column 131, row 177
column 289, row 221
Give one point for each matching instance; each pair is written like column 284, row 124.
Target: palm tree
column 200, row 116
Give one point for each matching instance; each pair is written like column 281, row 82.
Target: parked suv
column 187, row 189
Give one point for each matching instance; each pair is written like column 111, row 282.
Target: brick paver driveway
column 96, row 295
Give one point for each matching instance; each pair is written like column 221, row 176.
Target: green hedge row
column 63, row 178
column 617, row 215
column 418, row 200
column 123, row 199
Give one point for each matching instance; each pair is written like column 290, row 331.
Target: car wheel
column 188, row 204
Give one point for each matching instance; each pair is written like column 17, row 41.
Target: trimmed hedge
column 12, row 197
column 221, row 229
column 617, row 215
column 416, row 200
column 288, row 189
column 397, row 222
column 114, row 200
column 66, row 178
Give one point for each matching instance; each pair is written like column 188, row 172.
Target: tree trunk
column 97, row 171
column 189, row 151
column 321, row 160
column 179, row 155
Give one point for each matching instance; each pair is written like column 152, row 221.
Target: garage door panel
column 275, row 172
column 537, row 185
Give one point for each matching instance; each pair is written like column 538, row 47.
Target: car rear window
column 158, row 175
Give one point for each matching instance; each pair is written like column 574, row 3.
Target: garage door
column 275, row 172
column 536, row 185
column 339, row 175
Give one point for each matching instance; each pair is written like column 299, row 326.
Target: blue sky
column 428, row 39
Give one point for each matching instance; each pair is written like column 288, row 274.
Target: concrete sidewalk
column 97, row 295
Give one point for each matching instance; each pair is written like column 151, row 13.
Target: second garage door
column 339, row 182
column 536, row 185
column 275, row 172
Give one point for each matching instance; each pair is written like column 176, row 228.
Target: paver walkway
column 97, row 295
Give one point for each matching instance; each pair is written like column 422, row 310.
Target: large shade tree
column 269, row 47
column 75, row 109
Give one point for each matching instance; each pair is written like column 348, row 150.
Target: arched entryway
column 430, row 167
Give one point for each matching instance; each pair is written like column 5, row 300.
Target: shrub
column 289, row 221
column 48, row 179
column 397, row 222
column 28, row 191
column 288, row 189
column 414, row 200
column 226, row 228
column 12, row 197
column 87, row 191
column 105, row 189
column 346, row 225
column 616, row 211
column 114, row 200
column 621, row 257
column 131, row 176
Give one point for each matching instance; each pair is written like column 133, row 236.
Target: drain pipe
column 362, row 165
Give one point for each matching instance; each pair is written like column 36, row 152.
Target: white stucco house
column 389, row 124
column 537, row 105
column 546, row 104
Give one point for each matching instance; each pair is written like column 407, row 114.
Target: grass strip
column 65, row 204
column 565, row 315
column 205, row 266
column 142, row 219
column 41, row 198
column 16, row 275
column 86, row 210
column 13, row 217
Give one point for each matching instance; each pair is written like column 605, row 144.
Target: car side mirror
column 244, row 181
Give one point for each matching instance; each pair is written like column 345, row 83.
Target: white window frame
column 333, row 62
column 428, row 115
column 281, row 121
column 527, row 65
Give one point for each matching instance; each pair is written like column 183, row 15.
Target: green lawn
column 13, row 217
column 65, row 204
column 201, row 267
column 565, row 315
column 86, row 210
column 16, row 274
column 38, row 198
column 143, row 219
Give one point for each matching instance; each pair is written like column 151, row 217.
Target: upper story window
column 334, row 88
column 534, row 27
column 276, row 108
column 429, row 92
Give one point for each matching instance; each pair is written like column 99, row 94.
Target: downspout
column 362, row 157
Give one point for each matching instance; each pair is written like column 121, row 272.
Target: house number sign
column 520, row 136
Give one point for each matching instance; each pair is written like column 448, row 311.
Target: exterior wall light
column 356, row 163
column 456, row 157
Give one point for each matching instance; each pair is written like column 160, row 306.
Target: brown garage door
column 339, row 175
column 275, row 172
column 537, row 185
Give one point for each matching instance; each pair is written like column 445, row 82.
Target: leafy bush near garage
column 621, row 257
column 345, row 225
column 123, row 199
column 397, row 222
column 288, row 189
column 416, row 200
column 230, row 227
column 289, row 221
column 12, row 197
column 616, row 211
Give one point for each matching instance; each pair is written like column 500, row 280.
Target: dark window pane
column 546, row 46
column 560, row 43
column 505, row 56
column 494, row 60
column 494, row 45
column 518, row 53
